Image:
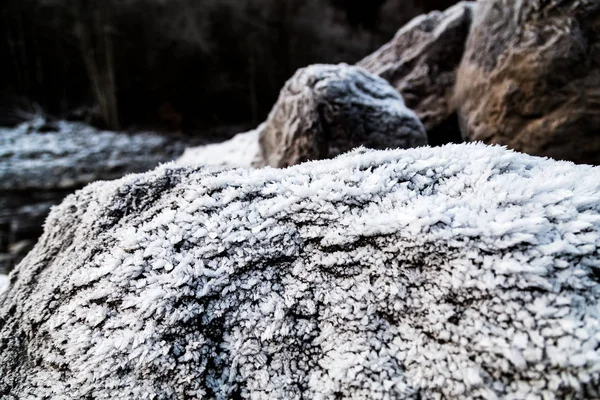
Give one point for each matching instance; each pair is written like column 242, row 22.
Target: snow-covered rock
column 461, row 271
column 325, row 110
column 321, row 112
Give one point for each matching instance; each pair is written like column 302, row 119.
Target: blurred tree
column 360, row 12
column 185, row 65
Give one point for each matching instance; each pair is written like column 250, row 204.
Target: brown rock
column 422, row 59
column 325, row 110
column 530, row 78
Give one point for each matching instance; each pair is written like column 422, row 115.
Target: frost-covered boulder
column 462, row 271
column 421, row 62
column 530, row 78
column 38, row 168
column 326, row 110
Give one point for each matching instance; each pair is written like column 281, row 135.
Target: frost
column 75, row 154
column 322, row 111
column 421, row 273
column 239, row 151
column 4, row 283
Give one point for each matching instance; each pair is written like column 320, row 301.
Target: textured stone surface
column 421, row 62
column 461, row 271
column 530, row 78
column 325, row 110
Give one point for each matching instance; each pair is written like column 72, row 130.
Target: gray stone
column 325, row 110
column 437, row 272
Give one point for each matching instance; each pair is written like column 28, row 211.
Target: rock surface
column 39, row 168
column 530, row 78
column 421, row 62
column 461, row 271
column 326, row 110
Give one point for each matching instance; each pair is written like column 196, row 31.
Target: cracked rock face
column 530, row 78
column 422, row 59
column 325, row 110
column 464, row 271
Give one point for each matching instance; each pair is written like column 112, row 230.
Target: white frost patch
column 463, row 271
column 4, row 283
column 238, row 151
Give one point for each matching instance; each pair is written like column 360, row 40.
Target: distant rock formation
column 38, row 169
column 530, row 78
column 421, row 63
column 326, row 110
column 462, row 271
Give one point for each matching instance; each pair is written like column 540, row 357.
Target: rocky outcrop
column 421, row 63
column 530, row 78
column 325, row 110
column 39, row 168
column 461, row 271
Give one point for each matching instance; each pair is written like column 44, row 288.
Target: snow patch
column 4, row 283
column 239, row 151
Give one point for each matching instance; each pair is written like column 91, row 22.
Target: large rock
column 421, row 63
column 39, row 168
column 530, row 78
column 463, row 271
column 325, row 110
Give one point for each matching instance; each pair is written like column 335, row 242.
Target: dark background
column 183, row 66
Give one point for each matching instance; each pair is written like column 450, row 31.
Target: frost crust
column 462, row 271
